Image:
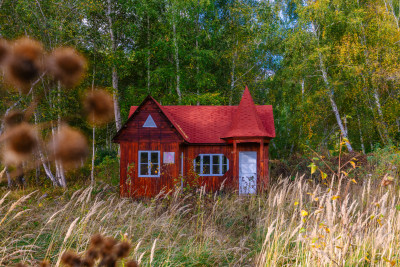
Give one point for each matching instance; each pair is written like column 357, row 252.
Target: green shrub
column 385, row 161
column 108, row 170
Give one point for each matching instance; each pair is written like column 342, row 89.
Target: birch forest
column 70, row 70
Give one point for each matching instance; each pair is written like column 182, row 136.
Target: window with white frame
column 149, row 163
column 211, row 164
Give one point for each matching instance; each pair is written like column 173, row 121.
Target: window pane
column 144, row 169
column 215, row 169
column 206, row 159
column 154, row 169
column 154, row 157
column 206, row 169
column 224, row 169
column 197, row 165
column 216, row 159
column 224, row 160
column 143, row 157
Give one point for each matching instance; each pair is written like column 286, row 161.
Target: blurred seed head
column 20, row 142
column 92, row 253
column 96, row 241
column 132, row 264
column 109, row 260
column 24, row 64
column 71, row 259
column 67, row 66
column 69, row 146
column 122, row 249
column 99, row 105
column 108, row 246
column 4, row 51
column 87, row 262
column 44, row 263
column 13, row 118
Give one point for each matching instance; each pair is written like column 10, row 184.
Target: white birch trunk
column 43, row 160
column 178, row 76
column 117, row 112
column 330, row 93
column 63, row 181
column 361, row 136
column 93, row 130
column 233, row 76
column 333, row 103
column 148, row 54
column 197, row 51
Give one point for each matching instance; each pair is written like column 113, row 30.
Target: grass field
column 298, row 223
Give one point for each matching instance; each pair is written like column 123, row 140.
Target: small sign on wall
column 169, row 157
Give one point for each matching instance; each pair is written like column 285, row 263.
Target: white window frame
column 149, row 163
column 211, row 164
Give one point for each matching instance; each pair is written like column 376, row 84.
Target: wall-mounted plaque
column 169, row 157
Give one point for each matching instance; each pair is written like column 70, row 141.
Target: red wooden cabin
column 167, row 146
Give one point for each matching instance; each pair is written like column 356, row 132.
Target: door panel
column 247, row 172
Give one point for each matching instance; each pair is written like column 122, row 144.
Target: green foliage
column 385, row 160
column 108, row 170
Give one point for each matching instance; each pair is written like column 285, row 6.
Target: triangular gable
column 149, row 123
column 161, row 110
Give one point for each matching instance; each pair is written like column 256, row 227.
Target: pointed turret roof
column 245, row 121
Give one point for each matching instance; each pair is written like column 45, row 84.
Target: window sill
column 208, row 175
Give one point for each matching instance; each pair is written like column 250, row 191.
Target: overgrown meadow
column 302, row 220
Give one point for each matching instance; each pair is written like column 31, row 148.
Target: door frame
column 255, row 182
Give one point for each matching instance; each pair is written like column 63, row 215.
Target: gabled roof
column 136, row 109
column 209, row 124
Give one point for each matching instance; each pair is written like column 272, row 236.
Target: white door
column 247, row 172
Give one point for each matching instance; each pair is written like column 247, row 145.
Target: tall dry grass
column 296, row 223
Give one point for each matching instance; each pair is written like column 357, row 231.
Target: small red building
column 167, row 146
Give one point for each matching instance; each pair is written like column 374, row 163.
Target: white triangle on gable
column 150, row 122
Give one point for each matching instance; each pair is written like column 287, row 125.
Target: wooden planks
column 134, row 186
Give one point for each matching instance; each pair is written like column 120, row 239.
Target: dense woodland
column 329, row 68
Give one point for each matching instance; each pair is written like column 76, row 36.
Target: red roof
column 246, row 121
column 208, row 124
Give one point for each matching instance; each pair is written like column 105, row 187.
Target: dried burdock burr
column 121, row 250
column 4, row 51
column 87, row 262
column 99, row 106
column 108, row 246
column 24, row 64
column 13, row 118
column 69, row 146
column 20, row 142
column 109, row 260
column 71, row 259
column 66, row 65
column 132, row 263
column 96, row 241
column 21, row 265
column 44, row 263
